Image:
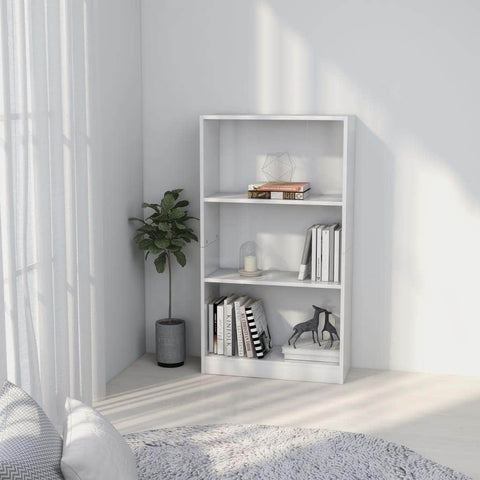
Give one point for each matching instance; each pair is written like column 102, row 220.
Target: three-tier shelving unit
column 233, row 149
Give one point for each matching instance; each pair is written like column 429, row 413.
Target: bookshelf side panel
column 348, row 210
column 211, row 157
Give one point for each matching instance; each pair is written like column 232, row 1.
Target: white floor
column 437, row 416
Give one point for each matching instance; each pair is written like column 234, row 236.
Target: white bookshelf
column 232, row 152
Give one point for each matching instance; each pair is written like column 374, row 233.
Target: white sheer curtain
column 51, row 331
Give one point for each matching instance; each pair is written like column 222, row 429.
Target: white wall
column 409, row 70
column 119, row 60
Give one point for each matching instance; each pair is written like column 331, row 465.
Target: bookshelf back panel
column 279, row 232
column 235, row 152
column 285, row 308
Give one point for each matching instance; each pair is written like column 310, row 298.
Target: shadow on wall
column 417, row 200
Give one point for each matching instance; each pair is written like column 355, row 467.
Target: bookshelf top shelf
column 274, row 278
column 325, row 118
column 334, row 200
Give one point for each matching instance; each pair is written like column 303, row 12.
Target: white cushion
column 92, row 448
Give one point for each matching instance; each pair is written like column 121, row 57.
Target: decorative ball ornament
column 248, row 260
column 278, row 167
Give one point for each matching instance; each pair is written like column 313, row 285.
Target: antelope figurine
column 312, row 325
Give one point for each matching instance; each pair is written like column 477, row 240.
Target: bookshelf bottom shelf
column 273, row 366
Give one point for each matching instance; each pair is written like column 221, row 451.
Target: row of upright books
column 237, row 326
column 322, row 254
column 279, row 191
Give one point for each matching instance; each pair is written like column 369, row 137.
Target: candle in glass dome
column 250, row 263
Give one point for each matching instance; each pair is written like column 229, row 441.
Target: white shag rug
column 259, row 452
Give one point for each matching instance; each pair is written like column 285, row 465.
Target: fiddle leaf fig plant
column 165, row 233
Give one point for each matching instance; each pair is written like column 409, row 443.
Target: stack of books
column 279, row 190
column 322, row 254
column 308, row 351
column 237, row 326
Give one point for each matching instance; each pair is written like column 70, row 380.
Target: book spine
column 313, row 269
column 257, row 344
column 259, row 195
column 278, row 188
column 264, row 195
column 331, row 253
column 228, row 331
column 220, row 330
column 338, row 243
column 325, row 254
column 238, row 329
column 215, row 328
column 246, row 333
column 210, row 327
column 319, row 253
column 296, row 195
column 307, row 251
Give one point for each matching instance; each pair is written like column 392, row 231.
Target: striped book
column 257, row 324
column 249, row 352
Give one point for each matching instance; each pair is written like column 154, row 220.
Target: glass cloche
column 248, row 260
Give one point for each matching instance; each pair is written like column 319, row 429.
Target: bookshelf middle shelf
column 273, row 278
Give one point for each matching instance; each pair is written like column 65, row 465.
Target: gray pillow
column 30, row 447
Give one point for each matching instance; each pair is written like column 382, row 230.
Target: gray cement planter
column 170, row 341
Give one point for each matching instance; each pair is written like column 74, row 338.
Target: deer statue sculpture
column 312, row 325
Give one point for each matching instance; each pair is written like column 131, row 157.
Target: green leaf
column 181, row 259
column 145, row 243
column 163, row 243
column 177, row 214
column 180, row 226
column 168, row 201
column 177, row 242
column 189, row 233
column 154, row 206
column 182, row 203
column 160, row 262
column 131, row 219
column 164, row 227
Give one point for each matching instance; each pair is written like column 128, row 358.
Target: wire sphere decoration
column 278, row 167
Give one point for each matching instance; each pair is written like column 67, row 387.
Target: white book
column 331, row 251
column 238, row 326
column 306, row 350
column 305, row 264
column 319, row 251
column 337, row 254
column 220, row 329
column 228, row 346
column 325, row 254
column 313, row 270
column 209, row 313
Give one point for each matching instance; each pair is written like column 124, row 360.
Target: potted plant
column 164, row 235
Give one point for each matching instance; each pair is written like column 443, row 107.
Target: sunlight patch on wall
column 435, row 266
column 269, row 81
column 297, row 73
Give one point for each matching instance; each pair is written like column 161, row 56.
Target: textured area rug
column 260, row 452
